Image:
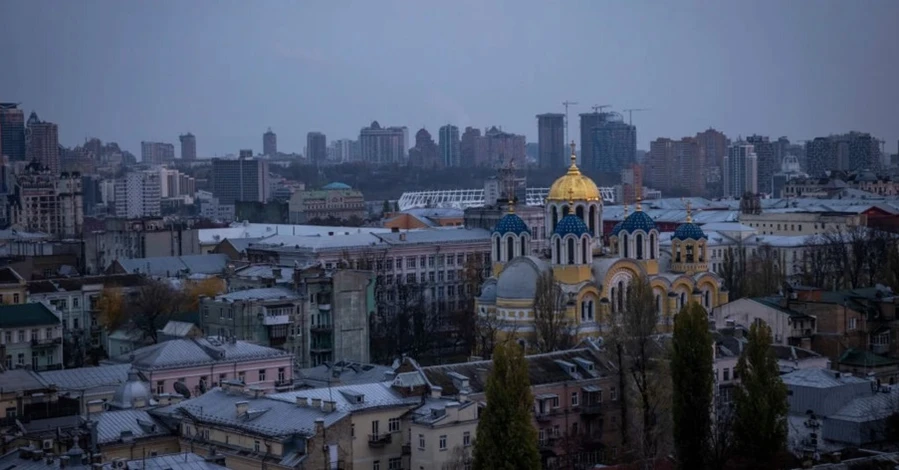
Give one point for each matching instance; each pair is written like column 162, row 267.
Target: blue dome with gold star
column 511, row 223
column 639, row 220
column 689, row 231
column 571, row 224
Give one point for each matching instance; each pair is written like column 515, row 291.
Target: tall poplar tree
column 693, row 386
column 506, row 437
column 760, row 400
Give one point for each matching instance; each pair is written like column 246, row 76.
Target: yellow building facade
column 593, row 278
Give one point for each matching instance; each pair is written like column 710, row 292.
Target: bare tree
column 721, row 439
column 155, row 304
column 765, row 272
column 734, row 269
column 553, row 328
column 460, row 459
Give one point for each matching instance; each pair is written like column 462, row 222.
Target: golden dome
column 573, row 185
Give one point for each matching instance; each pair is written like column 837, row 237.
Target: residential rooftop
column 191, row 352
column 27, row 315
column 260, row 294
column 170, row 266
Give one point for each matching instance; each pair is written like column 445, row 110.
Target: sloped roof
column 189, row 352
column 21, row 315
column 9, row 276
column 85, row 378
column 542, row 369
column 139, row 423
column 819, row 378
column 262, row 293
column 344, row 373
column 173, row 265
column 182, row 461
column 862, row 358
column 177, row 328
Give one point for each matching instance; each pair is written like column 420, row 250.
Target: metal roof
column 248, row 230
column 188, row 352
column 260, row 294
column 819, row 378
column 85, row 378
column 173, row 265
column 182, row 461
column 139, row 423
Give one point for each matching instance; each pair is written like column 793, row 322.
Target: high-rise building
column 551, row 140
column 383, row 145
column 468, row 147
column 343, row 150
column 424, row 154
column 849, row 152
column 175, row 184
column 715, row 146
column 243, row 179
column 316, row 147
column 157, row 153
column 269, row 143
column 501, row 149
column 450, row 146
column 42, row 143
column 138, row 194
column 12, row 131
column 767, row 161
column 188, row 147
column 677, row 165
column 740, row 170
column 48, row 202
column 589, row 122
column 614, row 145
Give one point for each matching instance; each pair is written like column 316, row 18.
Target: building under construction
column 608, row 144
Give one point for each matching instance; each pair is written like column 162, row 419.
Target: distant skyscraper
column 244, row 179
column 269, row 143
column 316, row 147
column 42, row 143
column 383, row 145
column 740, row 170
column 157, row 152
column 589, row 122
column 138, row 194
column 849, row 152
column 551, row 140
column 614, row 145
column 767, row 161
column 450, row 146
column 343, row 150
column 424, row 153
column 12, row 131
column 188, row 147
column 245, row 153
column 676, row 165
column 502, row 148
column 470, row 154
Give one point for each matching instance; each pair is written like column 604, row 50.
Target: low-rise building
column 12, row 287
column 333, row 201
column 137, row 238
column 30, row 336
column 200, row 364
column 86, row 384
column 788, row 326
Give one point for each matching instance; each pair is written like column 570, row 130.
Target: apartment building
column 42, row 143
column 383, row 145
column 157, row 153
column 243, row 179
column 48, row 202
column 137, row 238
column 138, row 194
column 333, row 201
column 199, row 364
column 30, row 337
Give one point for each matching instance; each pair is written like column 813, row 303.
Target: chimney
column 276, row 273
column 242, row 407
column 316, row 402
column 402, row 237
column 328, row 406
column 302, row 402
column 63, row 461
column 436, row 392
column 463, row 397
column 320, row 426
column 394, row 230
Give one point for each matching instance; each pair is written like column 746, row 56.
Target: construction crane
column 597, row 108
column 630, row 114
column 567, row 103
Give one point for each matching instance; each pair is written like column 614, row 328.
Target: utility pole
column 630, row 114
column 567, row 104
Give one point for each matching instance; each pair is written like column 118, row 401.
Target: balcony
column 324, row 307
column 46, row 343
column 543, row 416
column 322, row 328
column 407, row 449
column 379, row 440
column 272, row 320
column 591, row 409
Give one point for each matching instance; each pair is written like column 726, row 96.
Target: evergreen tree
column 691, row 375
column 506, row 437
column 760, row 400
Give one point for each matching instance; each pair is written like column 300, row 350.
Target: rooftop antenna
column 567, row 103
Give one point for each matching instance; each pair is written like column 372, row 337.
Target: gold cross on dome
column 571, row 198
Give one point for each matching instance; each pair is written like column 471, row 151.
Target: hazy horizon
column 227, row 70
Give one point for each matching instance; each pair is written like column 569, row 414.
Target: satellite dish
column 182, row 389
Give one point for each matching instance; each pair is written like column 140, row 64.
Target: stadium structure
column 464, row 198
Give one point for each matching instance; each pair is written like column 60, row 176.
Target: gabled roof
column 191, row 352
column 22, row 315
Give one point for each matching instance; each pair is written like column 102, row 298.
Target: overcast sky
column 226, row 70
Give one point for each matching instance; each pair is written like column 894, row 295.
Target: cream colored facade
column 445, row 439
column 800, row 223
column 378, row 437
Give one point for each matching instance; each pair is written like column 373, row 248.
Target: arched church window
column 639, row 243
column 570, row 251
column 584, row 250
column 580, row 212
column 592, row 223
column 565, row 210
column 652, row 246
column 620, row 296
column 683, row 299
column 524, row 242
column 555, row 217
column 625, row 244
column 705, row 300
column 499, row 251
column 558, row 253
column 510, row 247
column 658, row 304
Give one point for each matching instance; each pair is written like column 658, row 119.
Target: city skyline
column 228, row 91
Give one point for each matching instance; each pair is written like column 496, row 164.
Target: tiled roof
column 22, row 315
column 542, row 369
column 139, row 423
column 689, row 231
column 638, row 220
column 189, row 352
column 85, row 378
column 570, row 225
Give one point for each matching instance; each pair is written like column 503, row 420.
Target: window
column 574, row 398
column 466, row 438
column 443, row 442
column 160, row 387
column 256, row 446
column 21, row 359
column 393, row 424
column 574, row 428
column 7, row 337
column 222, row 378
column 395, row 463
column 421, row 441
column 242, row 376
column 353, row 430
column 281, row 375
column 853, row 323
column 613, row 394
column 376, row 465
column 34, row 334
column 726, row 374
column 15, row 298
column 262, row 375
column 555, row 402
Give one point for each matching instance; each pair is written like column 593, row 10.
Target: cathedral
column 594, row 278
